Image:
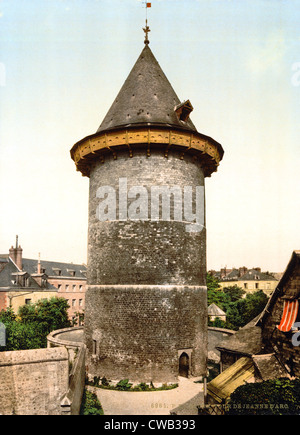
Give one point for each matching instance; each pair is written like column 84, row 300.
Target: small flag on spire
column 148, row 5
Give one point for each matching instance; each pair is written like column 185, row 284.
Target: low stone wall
column 44, row 381
column 70, row 338
column 71, row 402
column 33, row 381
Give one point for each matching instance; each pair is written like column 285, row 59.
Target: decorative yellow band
column 206, row 149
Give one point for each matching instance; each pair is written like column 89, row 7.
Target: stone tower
column 146, row 300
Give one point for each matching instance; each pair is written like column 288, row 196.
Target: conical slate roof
column 146, row 98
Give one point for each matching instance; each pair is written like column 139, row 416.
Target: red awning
column 290, row 311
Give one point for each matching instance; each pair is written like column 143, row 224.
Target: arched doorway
column 184, row 365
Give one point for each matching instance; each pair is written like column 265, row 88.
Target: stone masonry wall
column 33, row 381
column 146, row 294
column 136, row 332
column 145, row 252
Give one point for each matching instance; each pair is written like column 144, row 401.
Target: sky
column 62, row 63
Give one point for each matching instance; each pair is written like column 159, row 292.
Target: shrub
column 142, row 387
column 273, row 397
column 123, row 385
column 90, row 404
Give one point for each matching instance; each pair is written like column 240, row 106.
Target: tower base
column 146, row 333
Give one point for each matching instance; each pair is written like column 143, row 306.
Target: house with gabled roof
column 268, row 347
column 280, row 315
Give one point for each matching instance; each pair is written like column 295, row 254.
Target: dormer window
column 71, row 272
column 20, row 278
column 183, row 110
column 57, row 271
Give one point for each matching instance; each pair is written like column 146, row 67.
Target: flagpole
column 146, row 29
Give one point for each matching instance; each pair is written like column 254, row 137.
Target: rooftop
column 146, row 97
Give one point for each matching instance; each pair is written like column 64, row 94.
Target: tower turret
column 146, row 301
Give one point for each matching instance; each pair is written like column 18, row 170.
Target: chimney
column 39, row 264
column 16, row 254
column 242, row 270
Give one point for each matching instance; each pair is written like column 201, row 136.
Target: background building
column 24, row 281
column 250, row 280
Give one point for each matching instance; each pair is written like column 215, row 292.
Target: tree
column 244, row 310
column 239, row 310
column 212, row 282
column 34, row 322
column 234, row 292
column 7, row 316
column 52, row 313
column 214, row 292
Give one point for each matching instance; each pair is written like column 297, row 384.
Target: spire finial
column 146, row 30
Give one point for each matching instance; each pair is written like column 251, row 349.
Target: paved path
column 183, row 400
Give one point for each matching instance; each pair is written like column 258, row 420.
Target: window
column 80, row 302
column 245, row 285
column 256, row 285
column 67, row 287
column 80, row 288
column 74, row 287
column 27, row 301
column 73, row 302
column 183, row 110
column 94, row 347
column 59, row 286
